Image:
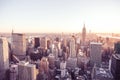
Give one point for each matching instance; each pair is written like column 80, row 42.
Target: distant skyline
column 41, row 16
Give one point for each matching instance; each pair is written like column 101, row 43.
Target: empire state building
column 83, row 35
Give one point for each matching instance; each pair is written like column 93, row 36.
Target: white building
column 4, row 56
column 43, row 42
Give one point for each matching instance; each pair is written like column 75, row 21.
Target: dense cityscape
column 59, row 39
column 60, row 56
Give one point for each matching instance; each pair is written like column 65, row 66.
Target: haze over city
column 59, row 15
column 59, row 40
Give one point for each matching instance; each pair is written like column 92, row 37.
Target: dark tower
column 115, row 66
column 117, row 47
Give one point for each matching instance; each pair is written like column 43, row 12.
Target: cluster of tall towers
column 19, row 49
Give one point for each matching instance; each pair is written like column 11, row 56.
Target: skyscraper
column 83, row 35
column 51, row 60
column 4, row 56
column 115, row 66
column 117, row 47
column 72, row 48
column 26, row 71
column 44, row 65
column 19, row 44
column 43, row 42
column 95, row 53
column 37, row 42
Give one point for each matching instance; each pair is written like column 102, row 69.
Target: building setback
column 4, row 57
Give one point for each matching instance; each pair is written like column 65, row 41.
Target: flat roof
column 96, row 43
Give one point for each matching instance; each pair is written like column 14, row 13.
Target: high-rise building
column 71, row 63
column 115, row 66
column 117, row 47
column 72, row 48
column 95, row 53
column 51, row 60
column 4, row 57
column 44, row 69
column 83, row 35
column 44, row 65
column 63, row 68
column 43, row 42
column 26, row 71
column 82, row 60
column 57, row 45
column 55, row 51
column 19, row 44
column 37, row 42
column 64, row 42
column 13, row 72
column 63, row 65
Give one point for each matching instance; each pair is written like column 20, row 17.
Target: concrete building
column 26, row 71
column 13, row 72
column 57, row 45
column 95, row 53
column 63, row 65
column 63, row 68
column 55, row 51
column 82, row 60
column 4, row 57
column 83, row 35
column 19, row 44
column 51, row 60
column 72, row 48
column 44, row 65
column 44, row 69
column 71, row 63
column 36, row 42
column 115, row 66
column 43, row 42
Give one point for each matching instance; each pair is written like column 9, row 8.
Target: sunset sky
column 59, row 15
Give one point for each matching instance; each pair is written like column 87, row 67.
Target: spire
column 84, row 28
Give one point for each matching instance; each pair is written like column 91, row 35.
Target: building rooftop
column 96, row 43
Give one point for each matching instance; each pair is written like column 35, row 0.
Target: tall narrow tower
column 4, row 57
column 83, row 35
column 19, row 44
column 72, row 48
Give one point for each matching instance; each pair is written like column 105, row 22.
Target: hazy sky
column 59, row 15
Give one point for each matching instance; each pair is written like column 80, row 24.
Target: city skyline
column 59, row 16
